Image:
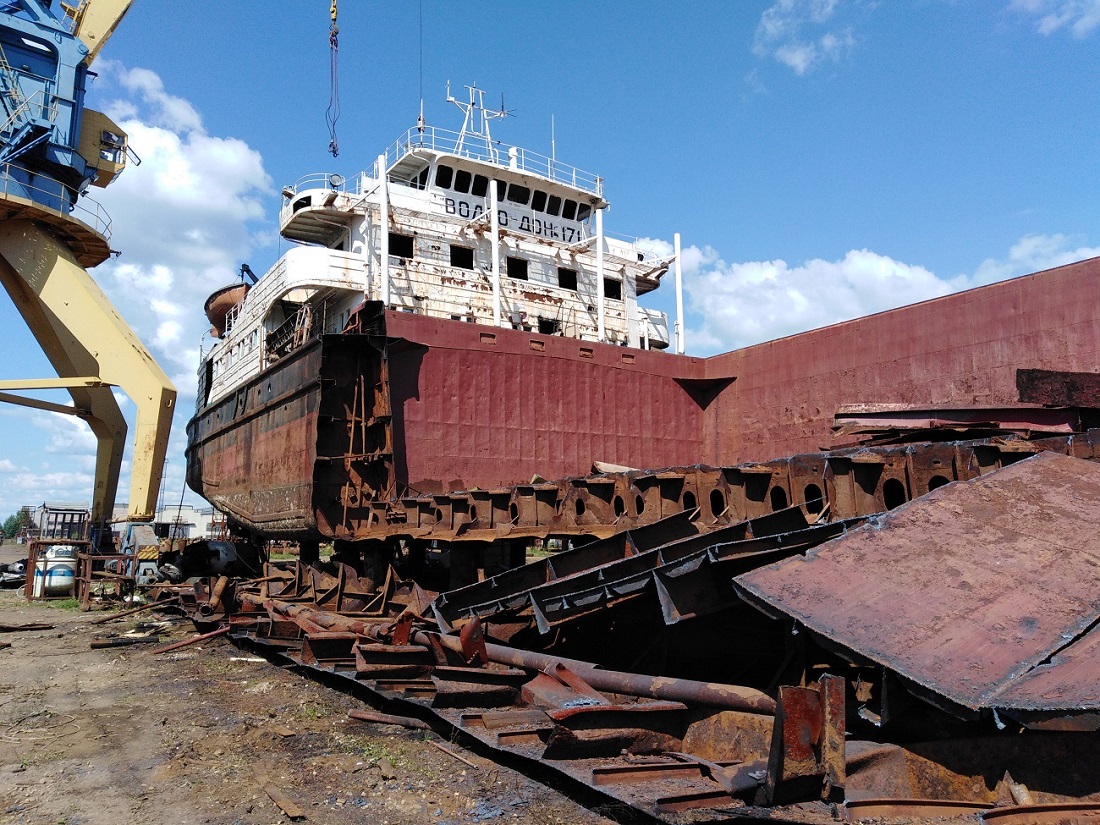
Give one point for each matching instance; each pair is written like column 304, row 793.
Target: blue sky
column 822, row 159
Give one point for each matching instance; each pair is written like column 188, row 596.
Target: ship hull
column 303, row 450
column 310, row 447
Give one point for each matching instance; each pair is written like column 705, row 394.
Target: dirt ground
column 116, row 736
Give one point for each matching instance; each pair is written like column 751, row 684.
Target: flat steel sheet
column 982, row 591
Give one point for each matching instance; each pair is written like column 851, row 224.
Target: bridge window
column 553, row 205
column 612, row 289
column 569, row 210
column 518, row 194
column 444, row 174
column 480, row 187
column 517, row 268
column 502, row 187
column 401, row 246
column 538, row 200
column 463, row 179
column 583, row 212
column 567, row 278
column 422, row 178
column 462, row 257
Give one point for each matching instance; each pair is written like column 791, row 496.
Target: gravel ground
column 114, row 736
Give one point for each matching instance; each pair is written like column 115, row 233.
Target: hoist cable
column 332, row 114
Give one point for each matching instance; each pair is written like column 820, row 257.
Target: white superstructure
column 474, row 231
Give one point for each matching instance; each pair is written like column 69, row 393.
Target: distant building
column 183, row 521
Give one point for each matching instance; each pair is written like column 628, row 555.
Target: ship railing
column 476, row 147
column 53, row 196
column 316, row 180
column 232, row 315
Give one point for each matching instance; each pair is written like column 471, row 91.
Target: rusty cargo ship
column 394, row 350
column 457, row 319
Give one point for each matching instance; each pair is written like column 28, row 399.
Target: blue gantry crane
column 52, row 149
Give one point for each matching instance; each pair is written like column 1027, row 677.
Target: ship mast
column 476, row 119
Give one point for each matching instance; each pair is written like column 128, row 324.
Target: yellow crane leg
column 95, row 405
column 83, row 335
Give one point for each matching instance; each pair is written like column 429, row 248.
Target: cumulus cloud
column 745, row 303
column 68, row 436
column 753, row 301
column 803, row 34
column 184, row 219
column 1032, row 253
column 1081, row 17
column 38, row 487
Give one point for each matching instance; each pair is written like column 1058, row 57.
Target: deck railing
column 54, row 200
column 477, row 147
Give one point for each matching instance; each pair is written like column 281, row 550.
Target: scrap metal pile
column 844, row 633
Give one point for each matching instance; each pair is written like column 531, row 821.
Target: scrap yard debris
column 851, row 654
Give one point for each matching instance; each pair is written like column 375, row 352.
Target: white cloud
column 753, row 301
column 68, row 436
column 38, row 487
column 7, row 466
column 1082, row 17
column 171, row 113
column 184, row 218
column 790, row 32
column 1032, row 253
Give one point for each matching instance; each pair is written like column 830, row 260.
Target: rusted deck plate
column 984, row 592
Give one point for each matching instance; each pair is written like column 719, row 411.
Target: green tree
column 15, row 522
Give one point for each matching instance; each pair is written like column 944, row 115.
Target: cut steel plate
column 982, row 592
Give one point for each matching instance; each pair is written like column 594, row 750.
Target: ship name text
column 562, row 230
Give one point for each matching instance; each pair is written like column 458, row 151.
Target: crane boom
column 94, row 21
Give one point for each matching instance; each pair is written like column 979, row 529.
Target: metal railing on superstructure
column 477, row 147
column 54, row 197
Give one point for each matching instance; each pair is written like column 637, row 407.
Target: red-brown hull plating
column 959, row 350
column 303, row 450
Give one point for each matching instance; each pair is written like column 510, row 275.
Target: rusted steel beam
column 173, row 602
column 379, row 718
column 807, row 747
column 221, row 631
column 710, row 694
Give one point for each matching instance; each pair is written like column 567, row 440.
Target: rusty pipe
column 172, row 602
column 216, row 593
column 388, row 719
column 221, row 631
column 710, row 694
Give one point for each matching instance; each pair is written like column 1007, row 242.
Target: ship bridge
column 457, row 225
